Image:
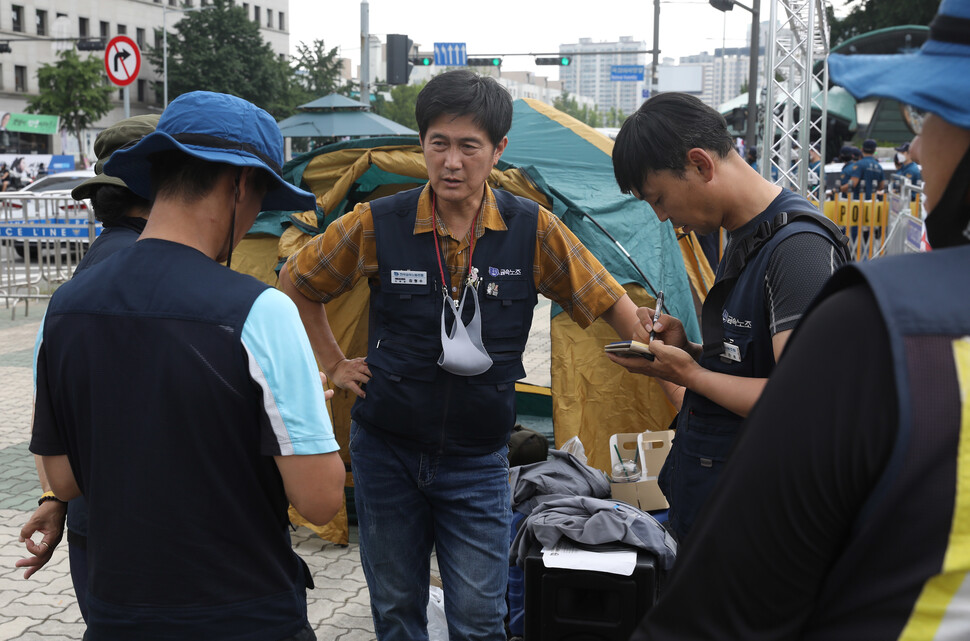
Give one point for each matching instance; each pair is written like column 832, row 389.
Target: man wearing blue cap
column 865, row 175
column 215, row 417
column 843, row 512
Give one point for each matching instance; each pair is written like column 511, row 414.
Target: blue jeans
column 409, row 501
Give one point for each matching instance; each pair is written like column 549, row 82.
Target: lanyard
column 437, row 249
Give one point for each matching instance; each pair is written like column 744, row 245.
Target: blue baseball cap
column 869, row 145
column 215, row 127
column 928, row 79
column 903, row 147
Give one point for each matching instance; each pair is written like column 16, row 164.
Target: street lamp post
column 165, row 12
column 726, row 5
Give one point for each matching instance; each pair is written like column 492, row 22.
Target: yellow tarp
column 594, row 398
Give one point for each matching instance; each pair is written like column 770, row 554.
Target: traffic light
column 90, row 44
column 560, row 61
column 423, row 61
column 484, row 62
column 398, row 59
column 722, row 5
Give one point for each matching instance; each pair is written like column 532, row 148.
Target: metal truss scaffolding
column 797, row 88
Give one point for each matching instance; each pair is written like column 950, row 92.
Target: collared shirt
column 563, row 269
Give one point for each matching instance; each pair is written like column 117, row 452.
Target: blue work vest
column 706, row 432
column 412, row 401
column 909, row 516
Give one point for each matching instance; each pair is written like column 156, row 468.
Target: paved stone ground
column 44, row 607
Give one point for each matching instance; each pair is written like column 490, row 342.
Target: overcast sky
column 520, row 26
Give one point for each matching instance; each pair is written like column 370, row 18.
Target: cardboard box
column 650, row 450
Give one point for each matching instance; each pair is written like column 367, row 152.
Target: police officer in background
column 847, row 159
column 842, row 513
column 907, row 166
column 865, row 175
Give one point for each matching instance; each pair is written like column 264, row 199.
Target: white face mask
column 901, row 159
column 463, row 352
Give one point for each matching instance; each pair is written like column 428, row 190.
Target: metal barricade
column 881, row 225
column 42, row 239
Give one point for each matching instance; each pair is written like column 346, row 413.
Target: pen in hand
column 656, row 317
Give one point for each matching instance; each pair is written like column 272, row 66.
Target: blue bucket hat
column 218, row 128
column 929, row 79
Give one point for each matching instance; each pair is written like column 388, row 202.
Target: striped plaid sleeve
column 570, row 275
column 332, row 262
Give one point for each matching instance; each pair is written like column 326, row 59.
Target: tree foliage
column 76, row 90
column 869, row 15
column 400, row 108
column 218, row 48
column 316, row 71
column 591, row 116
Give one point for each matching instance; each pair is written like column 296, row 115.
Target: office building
column 37, row 30
column 591, row 72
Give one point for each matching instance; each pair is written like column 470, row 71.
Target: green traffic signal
column 483, row 62
column 561, row 61
column 426, row 61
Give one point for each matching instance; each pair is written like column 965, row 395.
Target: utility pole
column 364, row 54
column 752, row 136
column 654, row 84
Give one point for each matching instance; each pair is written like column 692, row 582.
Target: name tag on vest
column 731, row 352
column 408, row 277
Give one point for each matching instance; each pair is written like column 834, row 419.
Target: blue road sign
column 626, row 73
column 450, row 54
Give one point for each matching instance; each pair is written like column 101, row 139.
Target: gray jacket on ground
column 563, row 474
column 591, row 521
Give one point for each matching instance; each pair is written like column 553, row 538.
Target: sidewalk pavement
column 44, row 607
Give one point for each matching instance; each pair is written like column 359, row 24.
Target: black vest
column 411, row 400
column 706, row 431
column 166, row 456
column 890, row 569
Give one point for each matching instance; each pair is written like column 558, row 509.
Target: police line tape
column 77, row 228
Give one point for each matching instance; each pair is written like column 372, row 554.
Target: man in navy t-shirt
column 675, row 154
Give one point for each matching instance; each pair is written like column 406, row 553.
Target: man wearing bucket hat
column 122, row 212
column 216, row 417
column 843, row 512
column 123, row 215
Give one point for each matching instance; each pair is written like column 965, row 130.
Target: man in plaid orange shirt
column 454, row 270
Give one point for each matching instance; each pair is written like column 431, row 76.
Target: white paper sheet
column 567, row 555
